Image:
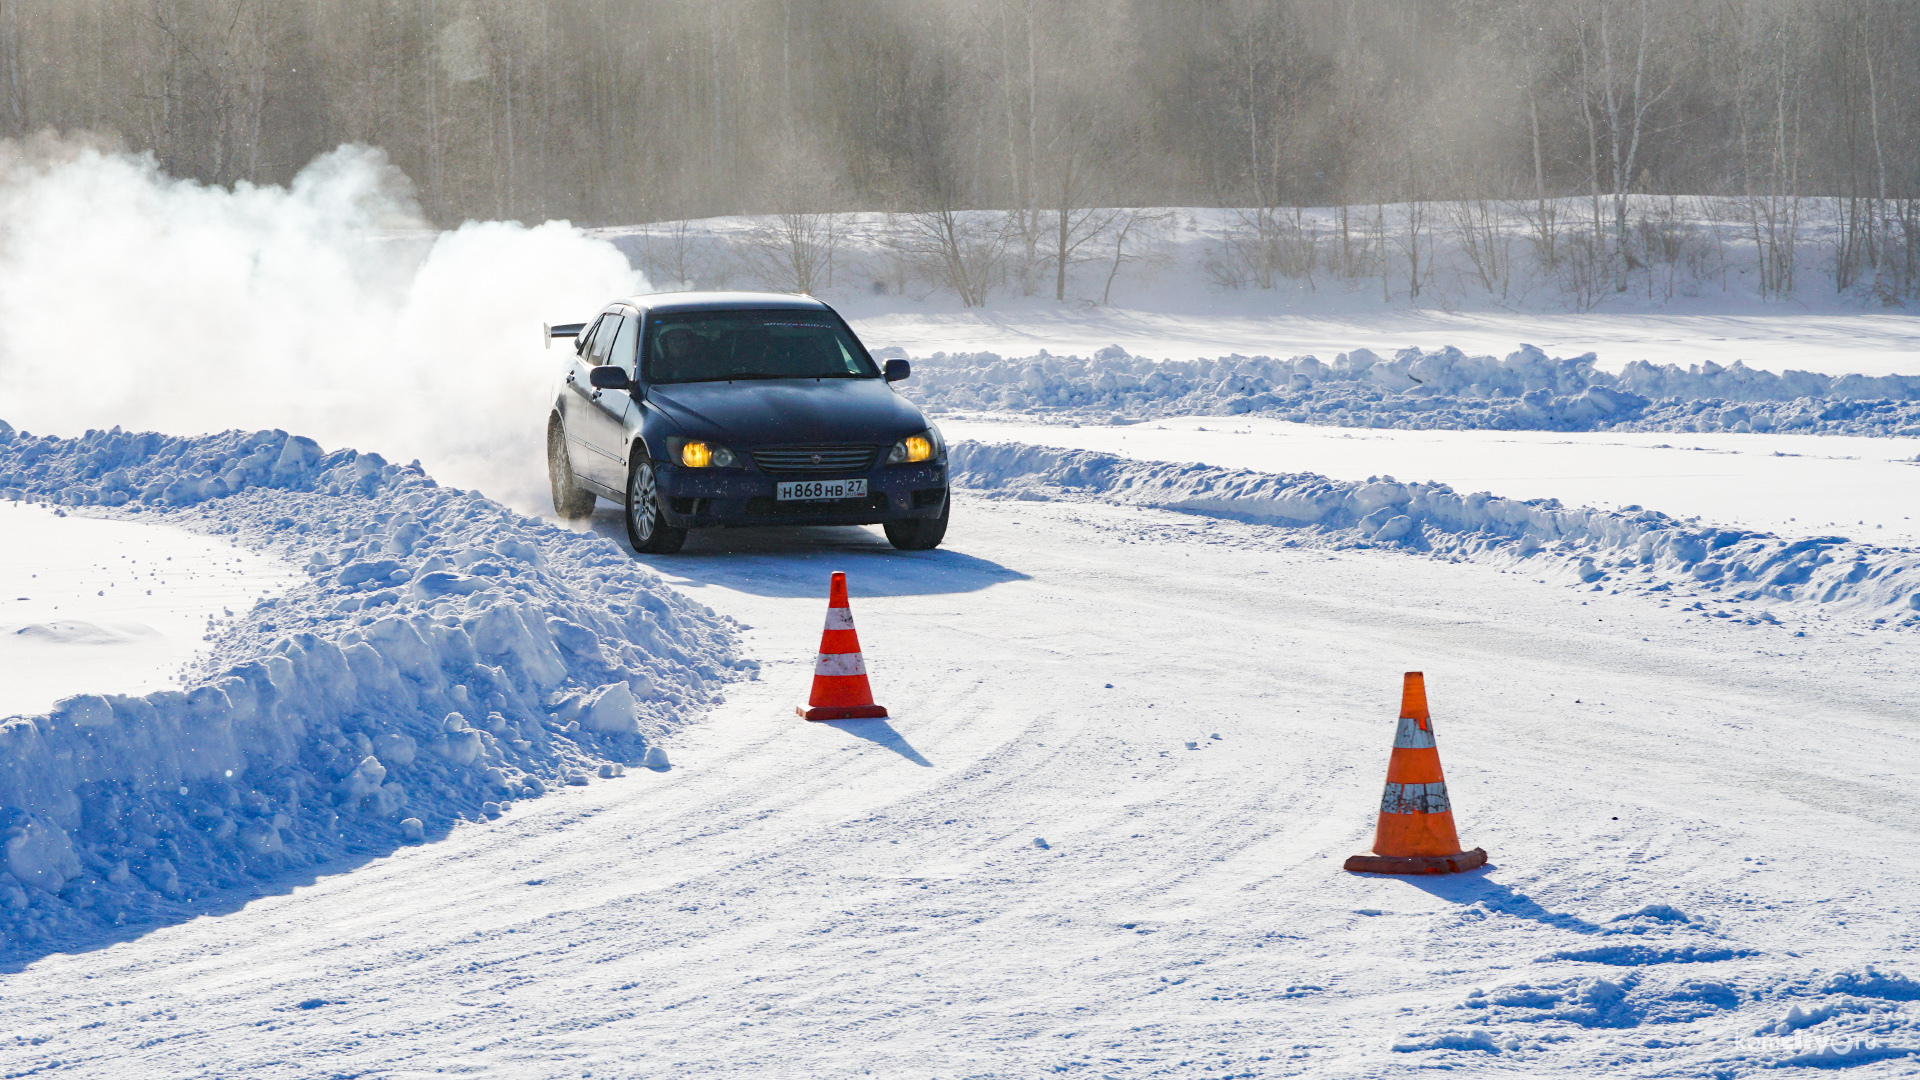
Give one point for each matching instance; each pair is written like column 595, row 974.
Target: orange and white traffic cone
column 840, row 690
column 1415, row 834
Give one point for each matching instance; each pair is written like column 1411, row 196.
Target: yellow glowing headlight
column 695, row 454
column 914, row 448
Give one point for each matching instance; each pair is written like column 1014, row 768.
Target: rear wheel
column 647, row 528
column 920, row 534
column 570, row 500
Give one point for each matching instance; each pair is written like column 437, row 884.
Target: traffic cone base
column 840, row 689
column 1418, row 864
column 1415, row 833
column 842, row 712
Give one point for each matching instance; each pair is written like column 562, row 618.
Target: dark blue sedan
column 693, row 410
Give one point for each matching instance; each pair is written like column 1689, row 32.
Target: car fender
column 649, row 428
column 639, row 447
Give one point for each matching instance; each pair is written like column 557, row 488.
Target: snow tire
column 570, row 501
column 920, row 534
column 647, row 527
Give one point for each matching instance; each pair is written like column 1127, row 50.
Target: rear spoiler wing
column 568, row 329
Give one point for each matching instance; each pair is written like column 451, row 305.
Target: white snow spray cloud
column 325, row 308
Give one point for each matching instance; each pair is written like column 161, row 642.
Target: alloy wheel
column 640, row 502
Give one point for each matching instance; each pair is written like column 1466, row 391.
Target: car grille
column 813, row 460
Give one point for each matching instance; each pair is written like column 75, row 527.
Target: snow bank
column 1442, row 388
column 1633, row 550
column 444, row 657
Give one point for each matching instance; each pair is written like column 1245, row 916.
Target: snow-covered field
column 391, row 778
column 116, row 607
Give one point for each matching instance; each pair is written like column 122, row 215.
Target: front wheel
column 570, row 500
column 920, row 534
column 647, row 528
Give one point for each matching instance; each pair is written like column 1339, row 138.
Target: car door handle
column 569, row 376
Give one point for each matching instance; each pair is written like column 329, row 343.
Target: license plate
column 813, row 490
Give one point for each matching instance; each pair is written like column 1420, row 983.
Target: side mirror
column 897, row 370
column 608, row 377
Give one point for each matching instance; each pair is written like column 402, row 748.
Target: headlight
column 926, row 446
column 695, row 454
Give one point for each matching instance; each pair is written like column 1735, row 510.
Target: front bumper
column 704, row 498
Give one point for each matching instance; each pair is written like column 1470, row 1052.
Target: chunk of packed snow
column 611, row 708
column 39, row 852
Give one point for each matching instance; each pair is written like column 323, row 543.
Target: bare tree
column 1770, row 141
column 1141, row 227
column 1020, row 96
column 793, row 251
column 1479, row 230
column 675, row 255
column 1263, row 246
column 1618, row 85
column 203, row 90
column 961, row 250
column 13, row 81
column 1533, row 45
column 1074, row 227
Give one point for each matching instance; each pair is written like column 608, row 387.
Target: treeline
column 608, row 111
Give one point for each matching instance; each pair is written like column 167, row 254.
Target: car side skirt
column 600, row 489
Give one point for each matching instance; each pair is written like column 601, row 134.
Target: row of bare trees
column 974, row 255
column 1554, row 250
column 1432, row 251
column 609, row 111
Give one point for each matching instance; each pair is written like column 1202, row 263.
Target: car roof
column 723, row 301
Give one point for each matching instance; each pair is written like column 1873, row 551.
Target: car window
column 623, row 341
column 584, row 343
column 603, row 335
column 710, row 346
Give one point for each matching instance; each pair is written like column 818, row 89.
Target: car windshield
column 711, row 346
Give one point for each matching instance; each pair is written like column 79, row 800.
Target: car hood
column 777, row 412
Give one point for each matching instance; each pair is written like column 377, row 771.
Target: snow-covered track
column 1697, row 845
